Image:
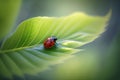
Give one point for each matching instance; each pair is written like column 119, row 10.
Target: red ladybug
column 50, row 42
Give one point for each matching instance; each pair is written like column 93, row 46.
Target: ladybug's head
column 54, row 38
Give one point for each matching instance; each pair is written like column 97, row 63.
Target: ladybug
column 50, row 42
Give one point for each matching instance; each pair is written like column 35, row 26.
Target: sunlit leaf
column 23, row 52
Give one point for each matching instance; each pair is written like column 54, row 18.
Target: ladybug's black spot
column 50, row 45
column 52, row 42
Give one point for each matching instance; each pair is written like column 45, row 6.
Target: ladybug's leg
column 56, row 44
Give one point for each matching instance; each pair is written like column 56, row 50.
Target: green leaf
column 23, row 52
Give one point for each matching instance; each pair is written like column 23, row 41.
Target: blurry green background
column 100, row 59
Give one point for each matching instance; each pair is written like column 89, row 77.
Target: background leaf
column 8, row 12
column 23, row 52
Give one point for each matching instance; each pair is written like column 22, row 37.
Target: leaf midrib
column 16, row 49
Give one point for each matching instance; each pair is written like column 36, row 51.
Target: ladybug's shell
column 49, row 43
